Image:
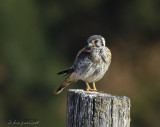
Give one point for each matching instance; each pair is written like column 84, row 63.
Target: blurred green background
column 39, row 38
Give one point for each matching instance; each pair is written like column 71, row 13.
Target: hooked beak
column 91, row 43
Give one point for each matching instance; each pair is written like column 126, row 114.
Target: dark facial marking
column 96, row 41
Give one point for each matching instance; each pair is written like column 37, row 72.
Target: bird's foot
column 92, row 90
column 89, row 89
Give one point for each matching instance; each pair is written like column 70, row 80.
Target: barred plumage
column 90, row 65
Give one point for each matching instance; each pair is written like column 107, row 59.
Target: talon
column 90, row 89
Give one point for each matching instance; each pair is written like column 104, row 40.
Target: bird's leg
column 88, row 87
column 94, row 87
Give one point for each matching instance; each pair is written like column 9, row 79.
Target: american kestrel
column 90, row 65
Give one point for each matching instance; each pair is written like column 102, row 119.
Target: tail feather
column 64, row 84
column 66, row 71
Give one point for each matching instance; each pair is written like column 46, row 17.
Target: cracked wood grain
column 94, row 109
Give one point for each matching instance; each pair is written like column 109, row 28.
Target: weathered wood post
column 94, row 109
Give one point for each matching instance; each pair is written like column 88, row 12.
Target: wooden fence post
column 94, row 109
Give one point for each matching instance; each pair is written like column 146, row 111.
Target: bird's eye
column 96, row 41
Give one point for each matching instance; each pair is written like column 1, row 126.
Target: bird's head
column 96, row 41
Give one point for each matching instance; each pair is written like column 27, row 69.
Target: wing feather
column 82, row 54
column 82, row 51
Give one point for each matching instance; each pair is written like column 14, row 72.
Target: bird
column 90, row 65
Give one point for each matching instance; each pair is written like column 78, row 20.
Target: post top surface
column 94, row 94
